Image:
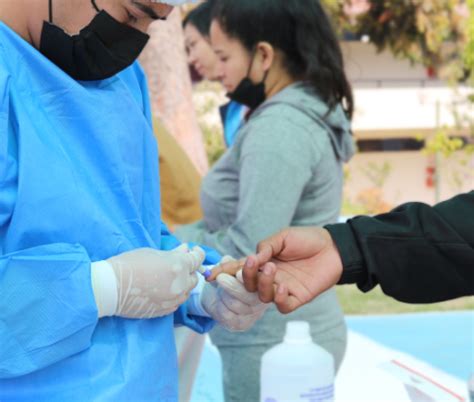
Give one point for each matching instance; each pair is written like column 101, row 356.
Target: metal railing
column 398, row 82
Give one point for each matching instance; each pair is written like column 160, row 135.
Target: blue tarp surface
column 444, row 340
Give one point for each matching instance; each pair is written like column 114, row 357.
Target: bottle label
column 321, row 394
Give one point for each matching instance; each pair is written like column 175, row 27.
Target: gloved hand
column 152, row 283
column 227, row 302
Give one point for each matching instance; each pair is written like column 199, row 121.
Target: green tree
column 430, row 32
column 438, row 34
column 469, row 51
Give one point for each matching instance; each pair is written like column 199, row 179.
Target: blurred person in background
column 180, row 182
column 202, row 58
column 281, row 59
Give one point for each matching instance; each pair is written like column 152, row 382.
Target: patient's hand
column 228, row 265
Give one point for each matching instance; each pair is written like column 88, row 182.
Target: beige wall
column 407, row 180
column 364, row 63
column 394, row 98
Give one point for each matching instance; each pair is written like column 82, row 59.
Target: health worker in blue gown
column 91, row 282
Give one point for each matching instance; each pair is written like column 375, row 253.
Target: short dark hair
column 200, row 17
column 302, row 31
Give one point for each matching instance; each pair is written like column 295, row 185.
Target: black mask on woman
column 249, row 94
column 100, row 50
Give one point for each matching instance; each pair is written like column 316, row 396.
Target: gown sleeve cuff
column 104, row 285
column 194, row 302
column 199, row 324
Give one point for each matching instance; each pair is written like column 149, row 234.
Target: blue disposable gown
column 78, row 183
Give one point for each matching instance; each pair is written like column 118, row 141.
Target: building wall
column 395, row 99
column 408, row 177
column 364, row 63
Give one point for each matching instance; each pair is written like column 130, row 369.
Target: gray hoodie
column 285, row 169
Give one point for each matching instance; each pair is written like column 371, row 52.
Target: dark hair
column 302, row 31
column 200, row 17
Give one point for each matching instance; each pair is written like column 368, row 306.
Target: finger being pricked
column 250, row 274
column 226, row 267
column 266, row 283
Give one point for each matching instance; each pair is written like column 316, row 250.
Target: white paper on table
column 419, row 385
column 363, row 376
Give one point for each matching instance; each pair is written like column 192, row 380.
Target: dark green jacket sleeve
column 417, row 253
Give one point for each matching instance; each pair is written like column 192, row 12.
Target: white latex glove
column 150, row 283
column 230, row 304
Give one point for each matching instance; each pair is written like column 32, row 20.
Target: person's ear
column 266, row 55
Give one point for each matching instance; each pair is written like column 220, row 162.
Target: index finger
column 266, row 283
column 250, row 274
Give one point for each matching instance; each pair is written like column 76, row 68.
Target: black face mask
column 101, row 49
column 249, row 94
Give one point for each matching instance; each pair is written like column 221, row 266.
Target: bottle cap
column 297, row 332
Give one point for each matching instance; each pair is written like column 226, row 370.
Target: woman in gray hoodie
column 282, row 59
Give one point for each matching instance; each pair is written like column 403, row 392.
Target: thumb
column 183, row 248
column 272, row 247
column 195, row 257
column 232, row 286
column 264, row 253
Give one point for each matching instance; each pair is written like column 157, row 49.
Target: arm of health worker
column 46, row 304
column 184, row 315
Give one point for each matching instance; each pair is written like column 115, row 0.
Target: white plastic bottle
column 297, row 369
column 470, row 387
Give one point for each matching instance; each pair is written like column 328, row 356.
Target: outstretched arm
column 417, row 253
